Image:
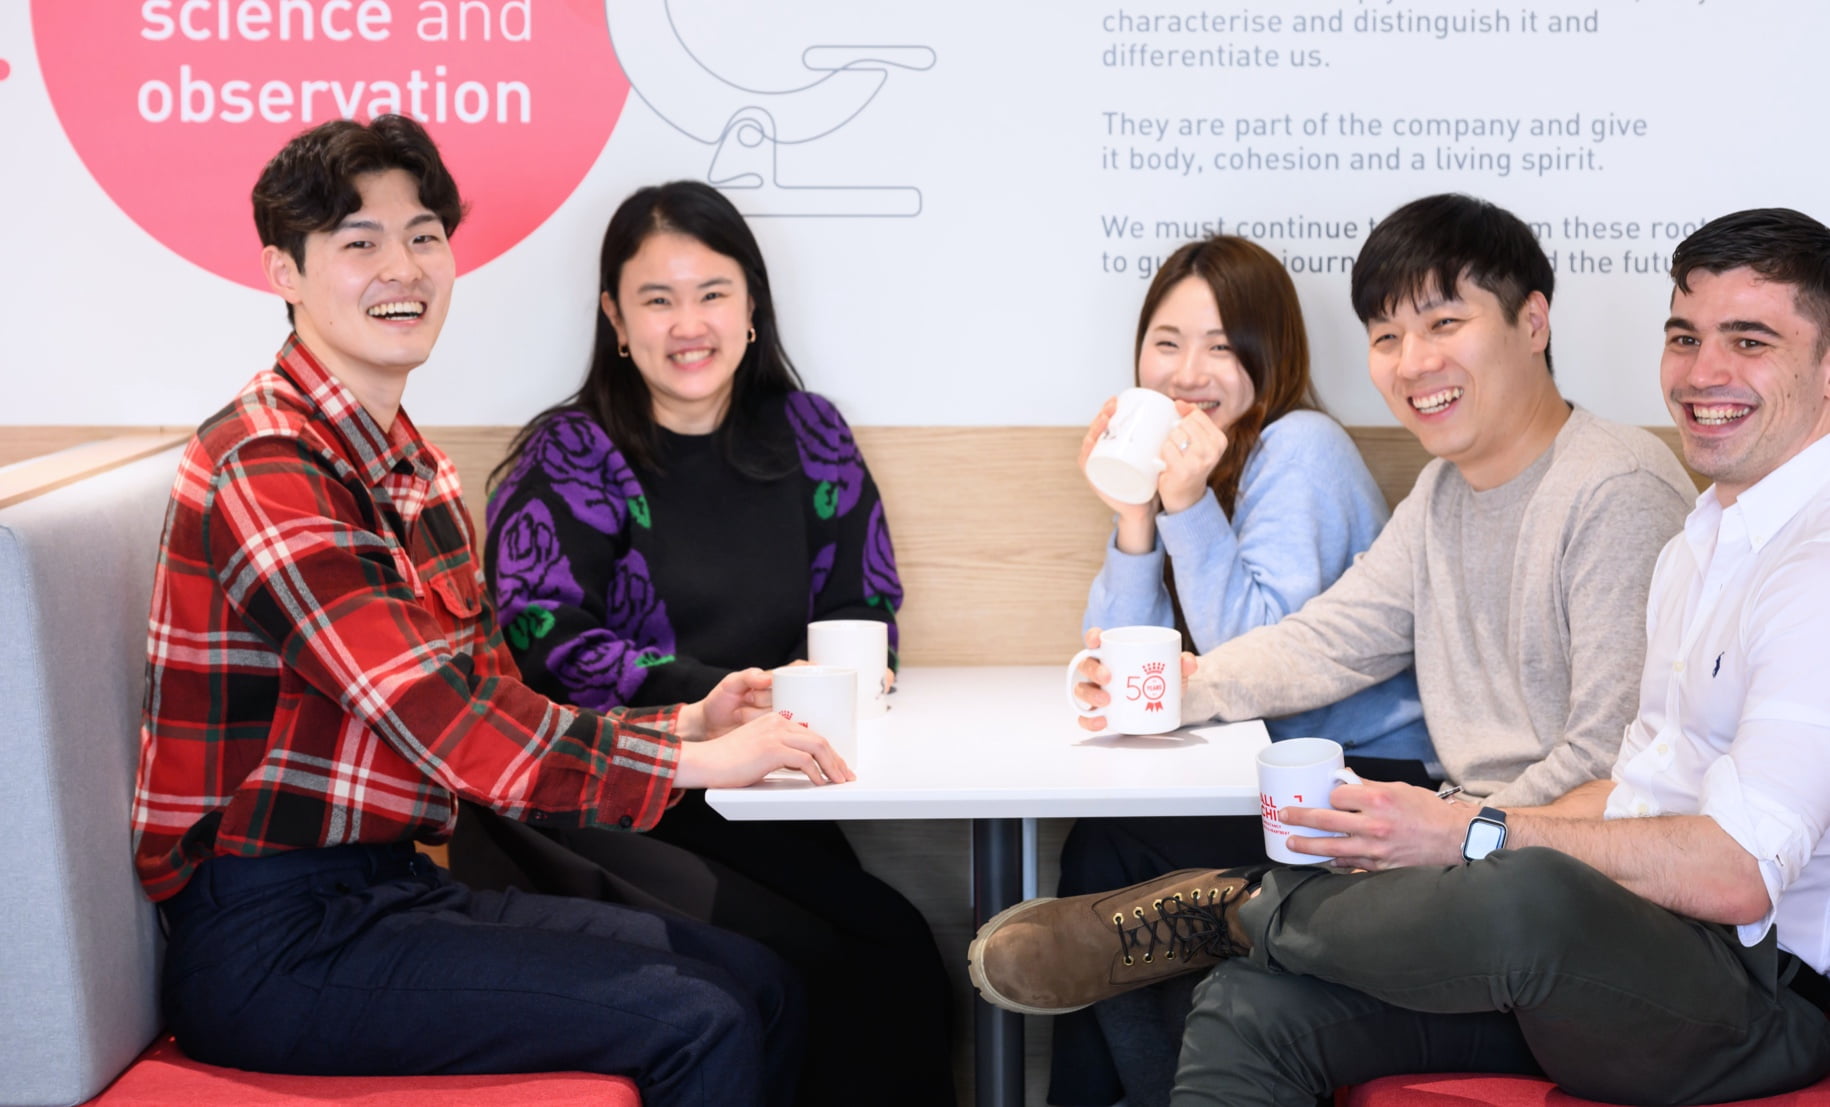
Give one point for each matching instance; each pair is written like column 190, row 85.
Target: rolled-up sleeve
column 1771, row 791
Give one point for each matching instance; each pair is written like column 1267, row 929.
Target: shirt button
column 1664, row 747
column 626, row 821
column 1677, row 666
column 1640, row 808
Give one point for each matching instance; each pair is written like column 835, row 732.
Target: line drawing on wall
column 748, row 127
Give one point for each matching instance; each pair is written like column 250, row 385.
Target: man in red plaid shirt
column 325, row 680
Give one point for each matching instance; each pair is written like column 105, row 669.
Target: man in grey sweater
column 1513, row 576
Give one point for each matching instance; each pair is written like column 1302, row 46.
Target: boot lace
column 1175, row 927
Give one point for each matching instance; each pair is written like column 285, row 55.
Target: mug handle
column 1073, row 678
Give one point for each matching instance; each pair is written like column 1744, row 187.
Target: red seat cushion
column 163, row 1076
column 1439, row 1090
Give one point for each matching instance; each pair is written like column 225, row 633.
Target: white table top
column 986, row 742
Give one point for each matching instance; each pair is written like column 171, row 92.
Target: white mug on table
column 1298, row 772
column 1124, row 463
column 824, row 699
column 862, row 645
column 1146, row 679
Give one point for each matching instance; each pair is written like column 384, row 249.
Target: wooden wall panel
column 997, row 535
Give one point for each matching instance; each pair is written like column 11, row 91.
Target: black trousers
column 1527, row 962
column 1126, row 1047
column 368, row 960
column 877, row 993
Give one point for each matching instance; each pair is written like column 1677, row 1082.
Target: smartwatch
column 1485, row 834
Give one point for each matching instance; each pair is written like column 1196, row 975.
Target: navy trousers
column 369, row 960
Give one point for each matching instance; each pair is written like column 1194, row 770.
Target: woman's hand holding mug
column 1136, row 521
column 1090, row 680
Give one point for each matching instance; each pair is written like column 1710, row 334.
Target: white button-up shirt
column 1734, row 706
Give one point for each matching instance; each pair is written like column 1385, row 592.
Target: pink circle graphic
column 5, row 70
column 175, row 105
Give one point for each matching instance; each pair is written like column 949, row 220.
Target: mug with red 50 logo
column 1146, row 685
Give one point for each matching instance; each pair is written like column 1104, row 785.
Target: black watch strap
column 1486, row 833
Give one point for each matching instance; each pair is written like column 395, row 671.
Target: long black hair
column 614, row 393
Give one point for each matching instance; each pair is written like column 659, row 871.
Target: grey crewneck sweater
column 1523, row 608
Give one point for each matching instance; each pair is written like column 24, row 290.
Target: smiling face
column 1468, row 380
column 1744, row 377
column 1185, row 355
column 373, row 291
column 683, row 311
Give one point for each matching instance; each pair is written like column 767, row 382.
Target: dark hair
column 1779, row 244
column 614, row 393
column 310, row 185
column 1438, row 242
column 1264, row 325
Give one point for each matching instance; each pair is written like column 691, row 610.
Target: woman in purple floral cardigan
column 686, row 514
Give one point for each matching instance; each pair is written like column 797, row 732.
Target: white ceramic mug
column 1146, row 685
column 823, row 698
column 1124, row 463
column 862, row 645
column 1298, row 772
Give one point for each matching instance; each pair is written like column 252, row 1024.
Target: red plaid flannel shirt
column 323, row 665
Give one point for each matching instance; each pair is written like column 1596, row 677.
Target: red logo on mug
column 1150, row 687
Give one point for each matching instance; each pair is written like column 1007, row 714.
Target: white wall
column 990, row 306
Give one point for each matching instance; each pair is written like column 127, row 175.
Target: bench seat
column 1470, row 1090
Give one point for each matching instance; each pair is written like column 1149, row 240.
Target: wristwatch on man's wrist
column 1486, row 833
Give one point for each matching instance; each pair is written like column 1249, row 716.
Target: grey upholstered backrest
column 78, row 940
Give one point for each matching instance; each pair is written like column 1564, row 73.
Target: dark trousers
column 368, row 960
column 1126, row 1047
column 1527, row 962
column 877, row 992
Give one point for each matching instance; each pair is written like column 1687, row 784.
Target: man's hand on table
column 1093, row 674
column 733, row 738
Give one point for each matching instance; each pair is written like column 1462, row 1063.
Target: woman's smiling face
column 683, row 311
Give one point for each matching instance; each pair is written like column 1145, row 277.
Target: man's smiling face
column 1462, row 374
column 1746, row 377
column 373, row 291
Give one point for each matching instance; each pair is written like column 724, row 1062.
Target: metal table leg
column 997, row 874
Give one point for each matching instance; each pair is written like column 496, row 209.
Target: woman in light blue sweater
column 1262, row 503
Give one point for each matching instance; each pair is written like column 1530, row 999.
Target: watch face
column 1484, row 836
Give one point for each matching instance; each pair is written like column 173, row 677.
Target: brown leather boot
column 1051, row 956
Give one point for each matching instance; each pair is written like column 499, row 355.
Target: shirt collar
column 1775, row 498
column 375, row 452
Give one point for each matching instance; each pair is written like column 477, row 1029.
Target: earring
column 622, row 350
column 752, row 334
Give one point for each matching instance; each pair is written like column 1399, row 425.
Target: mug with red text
column 1146, row 685
column 1298, row 772
column 823, row 698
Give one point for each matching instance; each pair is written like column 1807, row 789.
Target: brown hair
column 1264, row 325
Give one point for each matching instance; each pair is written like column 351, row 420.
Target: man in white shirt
column 1657, row 938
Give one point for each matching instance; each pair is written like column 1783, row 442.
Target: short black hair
column 1438, row 242
column 1779, row 244
column 310, row 185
